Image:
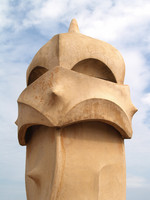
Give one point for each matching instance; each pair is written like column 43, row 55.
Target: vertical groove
column 59, row 166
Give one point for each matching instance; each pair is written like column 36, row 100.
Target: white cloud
column 109, row 21
column 4, row 10
column 137, row 182
column 146, row 99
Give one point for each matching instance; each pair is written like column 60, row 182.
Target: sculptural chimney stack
column 73, row 118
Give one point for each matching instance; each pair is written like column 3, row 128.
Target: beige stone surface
column 62, row 97
column 84, row 161
column 73, row 117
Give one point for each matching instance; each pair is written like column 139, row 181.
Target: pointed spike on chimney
column 74, row 26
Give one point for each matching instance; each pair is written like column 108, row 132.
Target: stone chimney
column 73, row 118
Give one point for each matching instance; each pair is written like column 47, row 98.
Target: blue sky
column 27, row 25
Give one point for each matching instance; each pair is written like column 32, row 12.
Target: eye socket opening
column 96, row 68
column 36, row 73
column 28, row 134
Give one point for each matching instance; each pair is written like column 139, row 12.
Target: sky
column 25, row 26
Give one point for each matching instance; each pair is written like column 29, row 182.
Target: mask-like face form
column 73, row 78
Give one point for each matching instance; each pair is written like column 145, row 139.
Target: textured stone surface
column 81, row 161
column 73, row 118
